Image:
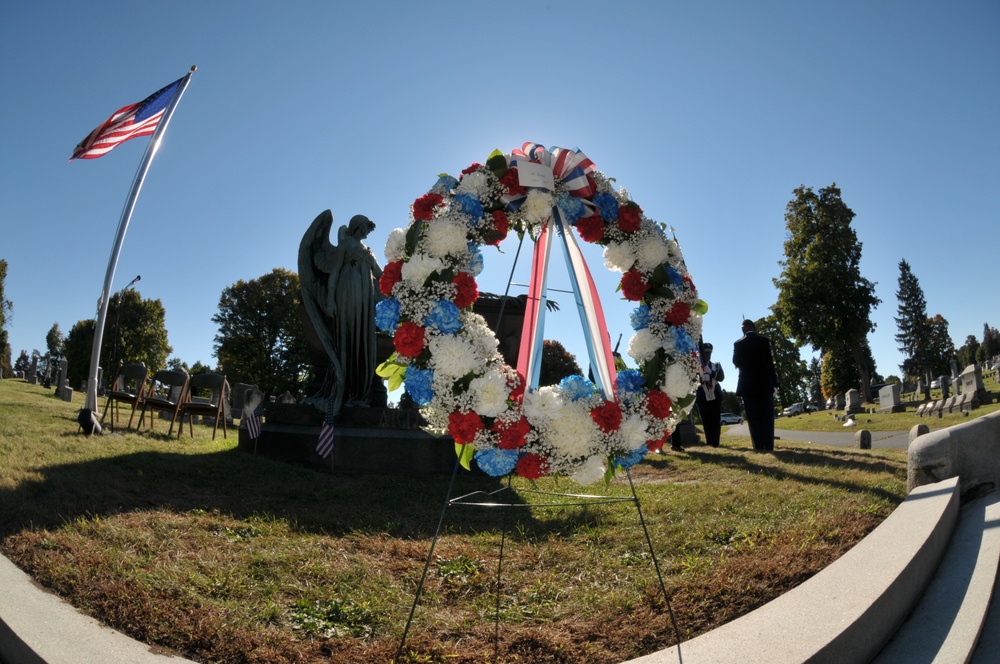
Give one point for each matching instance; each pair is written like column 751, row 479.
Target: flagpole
column 88, row 416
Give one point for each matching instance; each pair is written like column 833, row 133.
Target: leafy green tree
column 6, row 309
column 839, row 373
column 793, row 373
column 822, row 298
column 912, row 324
column 557, row 363
column 940, row 348
column 54, row 341
column 990, row 348
column 261, row 339
column 967, row 353
column 141, row 338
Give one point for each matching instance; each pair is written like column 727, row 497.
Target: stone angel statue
column 340, row 287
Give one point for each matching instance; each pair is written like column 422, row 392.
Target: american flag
column 325, row 444
column 127, row 122
column 253, row 421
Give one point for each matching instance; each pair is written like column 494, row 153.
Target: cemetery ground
column 221, row 556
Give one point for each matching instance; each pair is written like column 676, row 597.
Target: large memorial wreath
column 448, row 357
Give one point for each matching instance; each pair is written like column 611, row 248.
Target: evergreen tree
column 990, row 348
column 912, row 325
column 557, row 363
column 940, row 347
column 967, row 353
column 822, row 298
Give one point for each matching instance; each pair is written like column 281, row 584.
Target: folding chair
column 129, row 386
column 215, row 405
column 165, row 394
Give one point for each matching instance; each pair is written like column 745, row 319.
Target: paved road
column 893, row 440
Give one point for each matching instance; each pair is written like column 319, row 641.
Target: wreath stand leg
column 581, row 500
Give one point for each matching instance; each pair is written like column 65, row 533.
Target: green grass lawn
column 221, row 556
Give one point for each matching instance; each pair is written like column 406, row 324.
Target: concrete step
column 946, row 624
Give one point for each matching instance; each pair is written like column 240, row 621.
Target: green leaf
column 392, row 371
column 465, row 454
column 653, row 369
column 413, row 236
column 701, row 307
column 686, row 401
column 497, row 163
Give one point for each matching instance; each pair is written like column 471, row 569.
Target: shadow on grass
column 242, row 485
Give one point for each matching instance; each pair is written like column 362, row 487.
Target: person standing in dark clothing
column 757, row 385
column 709, row 396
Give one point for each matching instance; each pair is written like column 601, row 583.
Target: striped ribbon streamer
column 529, row 360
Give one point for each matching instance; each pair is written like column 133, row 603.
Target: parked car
column 794, row 409
column 730, row 418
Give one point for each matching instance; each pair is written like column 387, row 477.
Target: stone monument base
column 386, row 441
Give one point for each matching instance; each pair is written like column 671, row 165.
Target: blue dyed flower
column 444, row 317
column 470, row 205
column 673, row 276
column 476, row 262
column 444, row 184
column 572, row 208
column 639, row 318
column 683, row 342
column 418, row 384
column 576, row 387
column 387, row 314
column 496, row 462
column 630, row 384
column 632, row 458
column 607, row 206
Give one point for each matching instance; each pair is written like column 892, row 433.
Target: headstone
column 863, row 439
column 888, row 399
column 62, row 384
column 33, row 371
column 852, row 402
column 949, row 404
column 943, row 384
column 287, row 398
column 972, row 384
column 918, row 430
column 240, row 391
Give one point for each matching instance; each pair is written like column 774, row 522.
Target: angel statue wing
column 316, row 258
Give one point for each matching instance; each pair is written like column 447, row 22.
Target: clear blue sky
column 709, row 113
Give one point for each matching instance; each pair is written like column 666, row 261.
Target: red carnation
column 423, row 207
column 409, row 339
column 392, row 274
column 511, row 183
column 512, row 434
column 657, row 445
column 629, row 217
column 463, row 425
column 634, row 285
column 591, row 228
column 517, row 388
column 471, row 169
column 658, row 404
column 501, row 224
column 466, row 290
column 607, row 417
column 679, row 313
column 532, row 466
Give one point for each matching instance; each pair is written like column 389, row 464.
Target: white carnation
column 591, row 471
column 446, row 237
column 491, row 393
column 543, row 404
column 678, row 383
column 634, row 432
column 395, row 245
column 618, row 256
column 474, row 183
column 652, row 252
column 572, row 432
column 419, row 267
column 643, row 345
column 537, row 207
column 453, row 356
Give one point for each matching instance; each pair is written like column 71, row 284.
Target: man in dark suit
column 757, row 385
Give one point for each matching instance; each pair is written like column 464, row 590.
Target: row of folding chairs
column 171, row 391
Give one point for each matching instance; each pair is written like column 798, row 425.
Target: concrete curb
column 37, row 627
column 846, row 612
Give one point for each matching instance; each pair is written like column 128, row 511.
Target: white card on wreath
column 530, row 174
